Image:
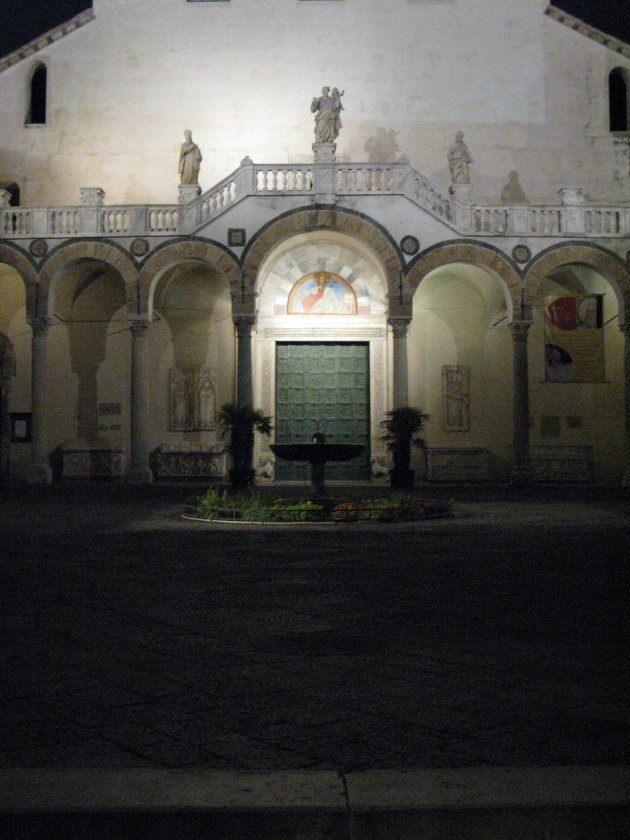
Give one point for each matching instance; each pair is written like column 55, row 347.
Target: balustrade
column 116, row 220
column 65, row 221
column 287, row 179
column 164, row 219
column 299, row 179
column 15, row 223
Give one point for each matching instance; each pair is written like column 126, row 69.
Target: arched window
column 618, row 100
column 37, row 96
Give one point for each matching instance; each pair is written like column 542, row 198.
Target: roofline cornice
column 43, row 41
column 589, row 31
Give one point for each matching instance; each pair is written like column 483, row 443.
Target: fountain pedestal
column 317, row 454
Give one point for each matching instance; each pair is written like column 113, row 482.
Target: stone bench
column 458, row 464
column 85, row 460
column 189, row 460
column 561, row 463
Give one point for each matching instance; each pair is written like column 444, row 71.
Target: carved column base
column 521, row 476
column 38, row 474
column 140, row 477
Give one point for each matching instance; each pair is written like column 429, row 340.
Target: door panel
column 326, row 386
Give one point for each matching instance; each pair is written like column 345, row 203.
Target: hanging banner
column 574, row 338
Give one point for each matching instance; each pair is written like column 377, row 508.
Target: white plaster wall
column 529, row 94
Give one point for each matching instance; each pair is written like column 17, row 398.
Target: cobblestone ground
column 133, row 638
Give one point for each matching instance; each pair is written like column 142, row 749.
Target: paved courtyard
column 135, row 639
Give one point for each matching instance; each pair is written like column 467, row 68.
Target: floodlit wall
column 529, row 93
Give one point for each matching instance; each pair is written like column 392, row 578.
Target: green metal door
column 326, row 386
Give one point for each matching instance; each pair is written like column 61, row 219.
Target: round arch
column 309, row 220
column 24, row 267
column 196, row 250
column 599, row 259
column 464, row 251
column 66, row 255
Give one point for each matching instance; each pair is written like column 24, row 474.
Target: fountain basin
column 317, row 453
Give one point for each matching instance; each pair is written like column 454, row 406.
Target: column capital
column 244, row 323
column 39, row 324
column 138, row 327
column 400, row 326
column 520, row 329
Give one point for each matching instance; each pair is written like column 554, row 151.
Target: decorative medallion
column 38, row 247
column 521, row 253
column 139, row 247
column 409, row 245
column 236, row 237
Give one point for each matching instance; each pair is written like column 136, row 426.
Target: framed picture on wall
column 20, row 427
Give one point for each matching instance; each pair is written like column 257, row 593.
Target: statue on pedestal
column 189, row 160
column 327, row 108
column 458, row 160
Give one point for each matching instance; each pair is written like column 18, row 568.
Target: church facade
column 325, row 209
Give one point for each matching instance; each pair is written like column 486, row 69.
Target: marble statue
column 458, row 160
column 189, row 160
column 327, row 108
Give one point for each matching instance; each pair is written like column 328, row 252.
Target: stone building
column 326, row 209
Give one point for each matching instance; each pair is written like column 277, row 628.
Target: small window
column 618, row 100
column 37, row 96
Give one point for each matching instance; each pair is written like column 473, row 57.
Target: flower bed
column 260, row 507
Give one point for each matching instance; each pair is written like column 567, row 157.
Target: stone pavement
column 137, row 643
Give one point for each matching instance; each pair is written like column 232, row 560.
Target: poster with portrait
column 574, row 338
column 322, row 293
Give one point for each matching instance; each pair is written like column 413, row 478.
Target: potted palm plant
column 241, row 421
column 401, row 430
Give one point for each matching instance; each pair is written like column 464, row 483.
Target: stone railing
column 321, row 182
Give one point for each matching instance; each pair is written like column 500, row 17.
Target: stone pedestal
column 324, row 152
column 188, row 193
column 462, row 193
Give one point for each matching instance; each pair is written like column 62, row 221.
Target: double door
column 325, row 386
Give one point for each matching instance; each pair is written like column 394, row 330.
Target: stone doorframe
column 374, row 337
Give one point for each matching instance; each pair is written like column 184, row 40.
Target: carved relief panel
column 192, row 399
column 456, row 397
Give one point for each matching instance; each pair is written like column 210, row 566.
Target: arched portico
column 321, row 309
column 83, row 290
column 590, row 406
column 464, row 297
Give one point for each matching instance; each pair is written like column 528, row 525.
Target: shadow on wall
column 512, row 192
column 382, row 147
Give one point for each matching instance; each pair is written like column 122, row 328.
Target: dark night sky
column 22, row 20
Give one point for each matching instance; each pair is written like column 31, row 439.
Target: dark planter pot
column 401, row 479
column 242, row 479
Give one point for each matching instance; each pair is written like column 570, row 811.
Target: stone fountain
column 317, row 454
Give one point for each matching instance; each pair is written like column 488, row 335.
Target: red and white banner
column 574, row 339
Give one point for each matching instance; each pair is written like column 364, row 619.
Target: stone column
column 521, row 473
column 400, row 385
column 139, row 470
column 625, row 328
column 244, row 377
column 39, row 471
